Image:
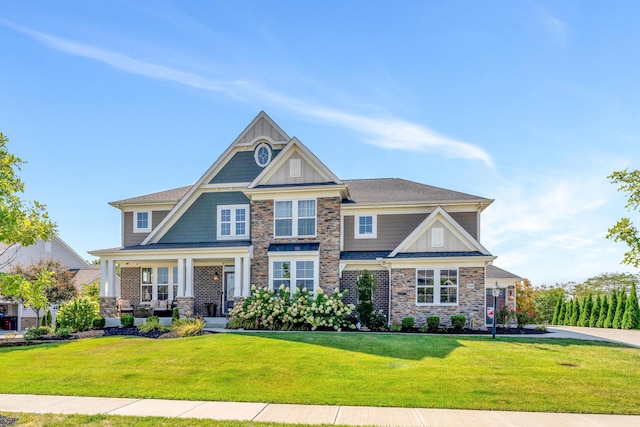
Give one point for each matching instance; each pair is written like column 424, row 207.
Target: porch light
column 496, row 293
column 216, row 277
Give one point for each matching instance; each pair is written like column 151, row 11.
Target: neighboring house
column 14, row 315
column 269, row 212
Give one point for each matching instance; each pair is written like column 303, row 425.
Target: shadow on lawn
column 397, row 346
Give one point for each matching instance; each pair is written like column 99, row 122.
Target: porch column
column 246, row 276
column 238, row 276
column 103, row 278
column 111, row 279
column 189, row 279
column 19, row 323
column 180, row 277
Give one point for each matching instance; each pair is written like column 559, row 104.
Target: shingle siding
column 241, row 167
column 133, row 239
column 198, row 223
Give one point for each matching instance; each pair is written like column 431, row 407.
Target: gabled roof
column 168, row 196
column 397, row 190
column 494, row 272
column 440, row 214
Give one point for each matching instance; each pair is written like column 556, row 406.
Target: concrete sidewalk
column 304, row 414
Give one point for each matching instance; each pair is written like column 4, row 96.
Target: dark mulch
column 6, row 421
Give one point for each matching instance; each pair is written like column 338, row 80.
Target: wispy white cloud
column 389, row 133
column 554, row 28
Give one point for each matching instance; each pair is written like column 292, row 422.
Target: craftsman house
column 269, row 212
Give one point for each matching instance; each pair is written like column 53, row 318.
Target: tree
column 604, row 283
column 546, row 300
column 525, row 297
column 585, row 313
column 556, row 311
column 575, row 312
column 31, row 293
column 91, row 290
column 631, row 318
column 595, row 312
column 62, row 287
column 604, row 310
column 617, row 319
column 568, row 313
column 21, row 222
column 624, row 230
column 563, row 309
column 613, row 304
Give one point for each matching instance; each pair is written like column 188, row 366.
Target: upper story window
column 142, row 222
column 262, row 154
column 233, row 221
column 295, row 218
column 437, row 287
column 366, row 227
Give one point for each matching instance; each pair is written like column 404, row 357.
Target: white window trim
column 233, row 235
column 436, row 287
column 154, row 282
column 292, row 258
column 135, row 222
column 374, row 227
column 257, row 150
column 295, row 218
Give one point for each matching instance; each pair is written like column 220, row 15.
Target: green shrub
column 522, row 318
column 47, row 319
column 127, row 320
column 575, row 312
column 433, row 323
column 608, row 321
column 563, row 309
column 585, row 314
column 98, row 322
column 188, row 327
column 407, row 323
column 458, row 321
column 63, row 332
column 395, row 327
column 622, row 302
column 365, row 287
column 604, row 310
column 152, row 323
column 378, row 321
column 78, row 314
column 175, row 315
column 35, row 333
column 556, row 311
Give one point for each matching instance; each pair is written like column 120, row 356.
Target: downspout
column 388, row 267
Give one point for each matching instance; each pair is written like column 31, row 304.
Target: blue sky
column 532, row 104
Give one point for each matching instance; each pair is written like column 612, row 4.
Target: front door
column 229, row 291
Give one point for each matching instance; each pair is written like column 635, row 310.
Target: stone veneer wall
column 327, row 234
column 108, row 308
column 349, row 280
column 471, row 301
column 130, row 284
column 205, row 289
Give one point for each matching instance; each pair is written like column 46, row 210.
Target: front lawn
column 526, row 374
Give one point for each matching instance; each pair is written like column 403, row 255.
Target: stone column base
column 186, row 305
column 108, row 307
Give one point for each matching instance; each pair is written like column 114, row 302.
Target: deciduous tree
column 624, row 230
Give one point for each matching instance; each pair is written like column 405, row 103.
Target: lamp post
column 496, row 293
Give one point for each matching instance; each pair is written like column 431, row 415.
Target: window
column 142, row 222
column 262, row 154
column 301, row 273
column 155, row 283
column 295, row 218
column 437, row 286
column 232, row 221
column 365, row 227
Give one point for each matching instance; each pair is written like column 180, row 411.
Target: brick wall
column 130, row 284
column 205, row 289
column 327, row 234
column 381, row 295
column 470, row 304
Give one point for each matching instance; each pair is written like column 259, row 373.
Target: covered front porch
column 204, row 282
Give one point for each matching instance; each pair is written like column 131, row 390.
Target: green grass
column 59, row 420
column 340, row 369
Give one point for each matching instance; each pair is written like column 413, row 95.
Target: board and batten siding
column 308, row 173
column 198, row 223
column 393, row 229
column 450, row 242
column 133, row 239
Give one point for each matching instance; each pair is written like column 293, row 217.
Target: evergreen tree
column 585, row 312
column 604, row 310
column 563, row 310
column 608, row 322
column 631, row 318
column 622, row 300
column 575, row 313
column 568, row 313
column 595, row 312
column 556, row 311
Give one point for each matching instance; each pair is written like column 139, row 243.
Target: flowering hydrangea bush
column 268, row 309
